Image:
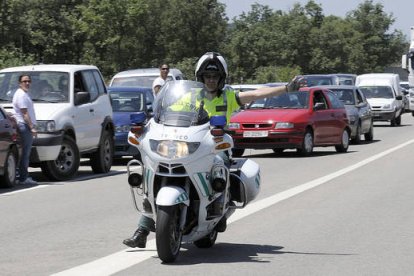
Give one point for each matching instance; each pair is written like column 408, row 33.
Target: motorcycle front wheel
column 208, row 241
column 168, row 234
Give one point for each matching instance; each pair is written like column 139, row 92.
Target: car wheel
column 237, row 152
column 101, row 160
column 66, row 165
column 357, row 138
column 393, row 123
column 307, row 144
column 370, row 135
column 343, row 147
column 398, row 120
column 8, row 179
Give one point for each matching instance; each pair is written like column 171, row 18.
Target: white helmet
column 212, row 61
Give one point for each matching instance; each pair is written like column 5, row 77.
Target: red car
column 311, row 117
column 10, row 149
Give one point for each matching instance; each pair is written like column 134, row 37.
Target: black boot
column 139, row 239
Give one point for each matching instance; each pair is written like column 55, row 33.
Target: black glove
column 296, row 83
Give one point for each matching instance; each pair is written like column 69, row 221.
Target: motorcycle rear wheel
column 168, row 235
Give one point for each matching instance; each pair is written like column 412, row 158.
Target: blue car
column 126, row 101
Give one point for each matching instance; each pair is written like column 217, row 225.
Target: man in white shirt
column 160, row 81
column 26, row 122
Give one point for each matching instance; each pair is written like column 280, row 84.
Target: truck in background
column 408, row 64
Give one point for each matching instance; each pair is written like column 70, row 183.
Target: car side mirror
column 399, row 97
column 82, row 98
column 319, row 106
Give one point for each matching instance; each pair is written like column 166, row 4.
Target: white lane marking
column 41, row 185
column 126, row 258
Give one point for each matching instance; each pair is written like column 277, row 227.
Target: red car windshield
column 291, row 100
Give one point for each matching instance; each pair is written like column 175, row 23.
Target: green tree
column 113, row 30
column 375, row 45
column 191, row 28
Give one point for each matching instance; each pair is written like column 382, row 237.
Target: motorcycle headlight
column 173, row 149
column 45, row 126
column 122, row 128
column 234, row 125
column 284, row 125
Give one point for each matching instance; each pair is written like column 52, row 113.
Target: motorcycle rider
column 212, row 70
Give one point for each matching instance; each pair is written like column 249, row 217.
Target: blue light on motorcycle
column 137, row 118
column 218, row 121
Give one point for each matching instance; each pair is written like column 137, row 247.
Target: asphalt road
column 328, row 214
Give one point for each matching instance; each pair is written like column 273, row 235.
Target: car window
column 344, row 95
column 46, row 86
column 100, row 84
column 2, row 115
column 125, row 101
column 286, row 100
column 318, row 80
column 377, row 92
column 91, row 85
column 319, row 98
column 140, row 81
column 335, row 101
column 360, row 97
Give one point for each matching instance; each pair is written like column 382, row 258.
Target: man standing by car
column 160, row 81
column 26, row 122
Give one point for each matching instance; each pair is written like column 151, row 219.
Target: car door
column 364, row 111
column 321, row 117
column 87, row 128
column 337, row 118
column 4, row 137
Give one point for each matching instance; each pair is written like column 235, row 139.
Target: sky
column 401, row 10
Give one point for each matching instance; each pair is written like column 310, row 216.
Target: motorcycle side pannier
column 245, row 180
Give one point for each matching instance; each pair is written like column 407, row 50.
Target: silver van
column 142, row 77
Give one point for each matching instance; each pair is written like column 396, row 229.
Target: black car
column 10, row 149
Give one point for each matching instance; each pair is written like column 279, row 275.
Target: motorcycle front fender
column 172, row 195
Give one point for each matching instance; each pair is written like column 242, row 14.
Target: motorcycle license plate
column 251, row 134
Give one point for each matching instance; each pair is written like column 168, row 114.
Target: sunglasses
column 165, row 69
column 211, row 76
column 27, row 81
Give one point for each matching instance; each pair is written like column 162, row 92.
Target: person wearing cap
column 219, row 99
column 160, row 81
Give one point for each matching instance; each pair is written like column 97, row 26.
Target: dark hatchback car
column 10, row 149
column 328, row 79
column 359, row 112
column 126, row 101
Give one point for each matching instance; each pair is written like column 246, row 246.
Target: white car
column 142, row 77
column 74, row 117
column 383, row 92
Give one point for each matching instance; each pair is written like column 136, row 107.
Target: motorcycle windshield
column 180, row 103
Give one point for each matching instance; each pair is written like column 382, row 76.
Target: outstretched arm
column 264, row 92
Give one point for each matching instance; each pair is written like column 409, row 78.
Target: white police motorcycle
column 182, row 181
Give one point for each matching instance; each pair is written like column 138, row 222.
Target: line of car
column 327, row 111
